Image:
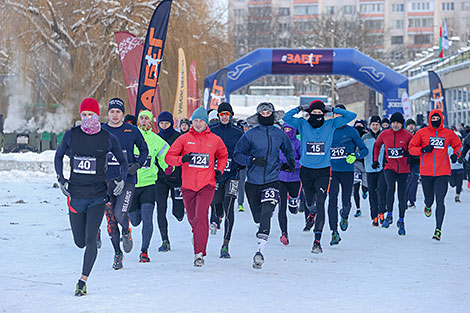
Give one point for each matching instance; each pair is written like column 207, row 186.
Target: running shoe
column 198, row 260
column 165, row 247
column 427, row 211
column 224, row 254
column 401, row 228
column 117, row 264
column 127, row 243
column 335, row 238
column 144, row 257
column 258, row 260
column 437, row 235
column 358, row 213
column 317, row 247
column 284, row 239
column 80, row 288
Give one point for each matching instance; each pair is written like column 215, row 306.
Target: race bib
column 84, row 165
column 293, row 202
column 147, row 162
column 178, row 194
column 233, row 188
column 112, row 161
column 395, row 153
column 437, row 142
column 357, row 177
column 315, row 148
column 270, row 194
column 229, row 164
column 200, row 160
column 338, row 153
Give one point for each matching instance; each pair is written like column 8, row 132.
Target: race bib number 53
column 200, row 160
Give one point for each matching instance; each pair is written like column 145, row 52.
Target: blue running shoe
column 401, row 228
column 388, row 221
column 358, row 213
column 335, row 238
column 343, row 224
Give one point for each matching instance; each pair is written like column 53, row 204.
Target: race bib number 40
column 315, row 148
column 84, row 165
column 338, row 153
column 395, row 153
column 437, row 142
column 200, row 160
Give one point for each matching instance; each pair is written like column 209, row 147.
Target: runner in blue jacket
column 316, row 135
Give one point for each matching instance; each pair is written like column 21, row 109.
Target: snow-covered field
column 371, row 270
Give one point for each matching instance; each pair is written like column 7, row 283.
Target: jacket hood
column 253, row 120
column 440, row 114
column 146, row 113
column 292, row 134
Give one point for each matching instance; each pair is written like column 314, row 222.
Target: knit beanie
column 116, row 103
column 225, row 106
column 397, row 117
column 90, row 104
column 200, row 113
column 410, row 121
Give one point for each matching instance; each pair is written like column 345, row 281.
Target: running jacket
column 230, row 134
column 265, row 142
column 346, row 139
column 295, row 175
column 369, row 140
column 158, row 148
column 396, row 149
column 197, row 174
column 435, row 163
column 321, row 137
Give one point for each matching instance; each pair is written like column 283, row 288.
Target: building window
column 421, row 6
column 398, row 7
column 306, row 9
column 349, row 9
column 422, row 39
column 284, row 42
column 397, row 40
column 284, row 11
column 447, row 6
column 372, row 8
column 465, row 6
column 330, row 9
column 283, row 27
column 420, row 22
column 398, row 24
column 239, row 12
column 374, row 24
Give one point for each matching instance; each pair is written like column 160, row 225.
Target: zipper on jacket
column 434, row 164
column 267, row 154
column 395, row 145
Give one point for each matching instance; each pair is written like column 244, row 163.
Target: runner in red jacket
column 196, row 152
column 395, row 141
column 431, row 145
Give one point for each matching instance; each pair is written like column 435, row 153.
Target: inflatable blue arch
column 348, row 62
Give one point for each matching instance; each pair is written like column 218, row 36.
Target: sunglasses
column 224, row 114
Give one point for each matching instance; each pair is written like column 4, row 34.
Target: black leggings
column 223, row 205
column 345, row 179
column 261, row 211
column 291, row 188
column 456, row 180
column 85, row 225
column 436, row 187
column 377, row 192
column 316, row 183
column 391, row 177
column 162, row 204
column 357, row 197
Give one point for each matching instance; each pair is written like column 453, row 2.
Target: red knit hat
column 90, row 104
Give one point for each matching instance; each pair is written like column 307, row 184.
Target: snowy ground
column 372, row 270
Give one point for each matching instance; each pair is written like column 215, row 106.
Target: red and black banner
column 130, row 53
column 217, row 90
column 152, row 56
column 437, row 95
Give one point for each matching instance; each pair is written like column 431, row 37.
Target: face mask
column 316, row 120
column 266, row 121
column 145, row 128
column 90, row 124
column 436, row 124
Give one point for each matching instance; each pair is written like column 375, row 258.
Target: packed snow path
column 371, row 270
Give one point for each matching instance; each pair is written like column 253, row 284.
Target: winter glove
column 119, row 187
column 169, row 170
column 133, row 167
column 64, row 186
column 375, row 165
column 461, row 159
column 218, row 175
column 289, row 166
column 351, row 158
column 304, row 107
column 187, row 157
column 285, row 167
column 427, row 149
column 328, row 108
column 259, row 161
column 454, row 158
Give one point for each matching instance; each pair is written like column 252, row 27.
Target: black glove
column 64, row 186
column 304, row 107
column 329, row 108
column 375, row 165
column 289, row 166
column 259, row 161
column 133, row 167
column 427, row 149
column 461, row 159
column 454, row 158
column 218, row 175
column 187, row 157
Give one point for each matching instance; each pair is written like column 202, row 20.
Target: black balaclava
column 436, row 124
column 266, row 121
column 316, row 120
column 265, row 106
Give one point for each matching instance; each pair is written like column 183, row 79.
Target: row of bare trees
column 66, row 50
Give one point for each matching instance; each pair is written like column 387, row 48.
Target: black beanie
column 410, row 121
column 116, row 103
column 225, row 106
column 397, row 117
column 385, row 120
column 316, row 104
column 130, row 119
column 374, row 119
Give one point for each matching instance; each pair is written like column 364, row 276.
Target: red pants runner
column 197, row 207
